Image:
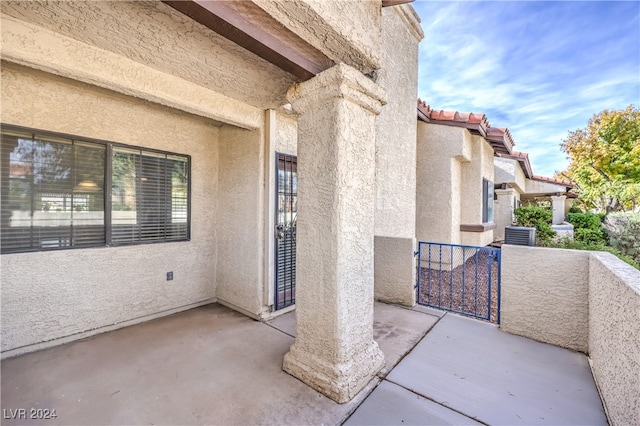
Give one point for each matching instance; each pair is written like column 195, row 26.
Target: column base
column 340, row 382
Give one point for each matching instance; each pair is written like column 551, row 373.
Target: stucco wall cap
column 627, row 273
column 340, row 81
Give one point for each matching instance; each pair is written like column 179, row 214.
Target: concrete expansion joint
column 442, row 404
column 280, row 330
column 383, row 374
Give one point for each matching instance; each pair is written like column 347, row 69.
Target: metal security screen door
column 285, row 230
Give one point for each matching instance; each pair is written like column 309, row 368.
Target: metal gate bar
column 286, row 213
column 459, row 278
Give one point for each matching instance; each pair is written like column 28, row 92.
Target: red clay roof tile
column 499, row 137
column 554, row 181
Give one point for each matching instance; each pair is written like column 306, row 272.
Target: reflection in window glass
column 53, row 193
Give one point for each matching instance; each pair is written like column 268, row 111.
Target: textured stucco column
column 503, row 211
column 557, row 206
column 334, row 351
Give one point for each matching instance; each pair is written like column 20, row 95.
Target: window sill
column 481, row 227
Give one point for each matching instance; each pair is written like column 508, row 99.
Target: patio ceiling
column 160, row 37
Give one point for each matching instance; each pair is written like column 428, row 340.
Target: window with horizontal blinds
column 53, row 193
column 150, row 194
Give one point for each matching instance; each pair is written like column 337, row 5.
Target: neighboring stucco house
column 517, row 185
column 470, row 180
column 157, row 156
column 455, row 176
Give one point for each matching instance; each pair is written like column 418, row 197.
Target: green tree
column 605, row 160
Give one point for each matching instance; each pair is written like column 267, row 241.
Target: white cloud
column 539, row 68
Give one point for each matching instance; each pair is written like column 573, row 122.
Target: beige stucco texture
column 395, row 162
column 508, row 171
column 480, row 167
column 545, row 295
column 587, row 301
column 440, row 150
column 395, row 176
column 614, row 336
column 541, row 187
column 154, row 34
column 503, row 211
column 240, row 226
column 83, row 75
column 334, row 351
column 395, row 270
column 342, row 30
column 49, row 295
column 451, row 163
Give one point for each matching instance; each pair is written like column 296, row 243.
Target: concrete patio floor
column 211, row 365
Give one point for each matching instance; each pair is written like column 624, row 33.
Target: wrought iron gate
column 285, row 230
column 462, row 279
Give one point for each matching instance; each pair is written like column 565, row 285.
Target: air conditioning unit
column 520, row 236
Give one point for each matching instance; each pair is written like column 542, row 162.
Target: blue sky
column 540, row 68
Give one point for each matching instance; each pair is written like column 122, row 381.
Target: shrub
column 589, row 236
column 585, row 220
column 536, row 217
column 624, row 233
column 568, row 243
column 588, row 227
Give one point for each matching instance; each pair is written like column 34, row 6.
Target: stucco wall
column 334, row 351
column 451, row 163
column 508, row 170
column 394, row 266
column 480, row 166
column 539, row 187
column 240, row 223
column 286, row 135
column 395, row 179
column 614, row 336
column 545, row 295
column 587, row 301
column 441, row 152
column 395, row 127
column 345, row 31
column 503, row 211
column 48, row 295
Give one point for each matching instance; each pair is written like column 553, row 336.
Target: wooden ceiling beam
column 387, row 3
column 245, row 24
